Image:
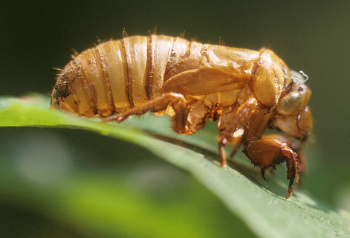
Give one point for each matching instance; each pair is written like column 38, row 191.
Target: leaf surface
column 260, row 205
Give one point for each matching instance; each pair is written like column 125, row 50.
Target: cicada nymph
column 245, row 90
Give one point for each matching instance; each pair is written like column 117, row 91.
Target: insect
column 247, row 91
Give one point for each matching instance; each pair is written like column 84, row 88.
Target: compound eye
column 294, row 101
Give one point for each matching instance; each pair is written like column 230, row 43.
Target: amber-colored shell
column 245, row 90
column 120, row 74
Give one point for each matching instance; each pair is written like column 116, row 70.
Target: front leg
column 270, row 150
column 230, row 121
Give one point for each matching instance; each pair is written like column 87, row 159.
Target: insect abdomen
column 116, row 75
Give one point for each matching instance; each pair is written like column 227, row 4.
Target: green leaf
column 260, row 205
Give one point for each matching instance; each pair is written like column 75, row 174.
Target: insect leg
column 230, row 121
column 300, row 157
column 302, row 167
column 270, row 150
column 292, row 165
column 301, row 160
column 224, row 125
column 176, row 100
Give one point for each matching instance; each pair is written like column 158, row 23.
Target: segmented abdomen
column 117, row 74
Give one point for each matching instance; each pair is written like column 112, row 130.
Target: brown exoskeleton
column 246, row 90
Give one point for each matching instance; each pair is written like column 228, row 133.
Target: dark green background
column 312, row 36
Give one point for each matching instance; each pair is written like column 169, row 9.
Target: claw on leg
column 290, row 189
column 268, row 151
column 293, row 167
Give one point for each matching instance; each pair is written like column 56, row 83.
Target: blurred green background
column 36, row 36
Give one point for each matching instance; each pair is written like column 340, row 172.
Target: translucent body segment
column 161, row 47
column 96, row 82
column 136, row 56
column 178, row 52
column 79, row 87
column 180, row 46
column 117, row 74
column 102, row 66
